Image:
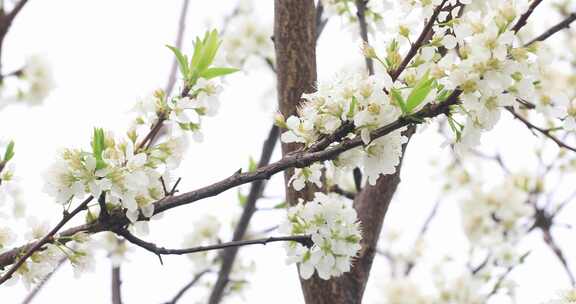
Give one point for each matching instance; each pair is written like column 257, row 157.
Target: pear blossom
column 7, row 236
column 349, row 99
column 489, row 216
column 567, row 112
column 37, row 80
column 206, row 231
column 404, row 291
column 246, row 38
column 383, row 155
column 333, row 226
column 564, row 297
column 312, row 174
column 35, row 270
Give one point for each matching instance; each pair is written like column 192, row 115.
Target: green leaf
column 98, row 145
column 242, row 199
column 217, row 72
column 182, row 60
column 198, row 46
column 353, row 106
column 252, row 165
column 399, row 100
column 210, row 47
column 9, row 152
column 420, row 92
column 282, row 205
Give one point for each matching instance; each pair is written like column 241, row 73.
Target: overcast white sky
column 107, row 54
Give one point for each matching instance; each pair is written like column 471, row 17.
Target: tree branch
column 549, row 240
column 361, row 14
column 48, row 238
column 257, row 188
column 179, row 37
column 524, row 18
column 419, row 42
column 320, row 20
column 5, row 23
column 116, row 285
column 42, row 283
column 184, row 289
column 564, row 24
column 298, row 159
column 159, row 251
column 544, row 132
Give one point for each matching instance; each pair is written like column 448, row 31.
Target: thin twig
column 496, row 158
column 347, row 194
column 363, row 26
column 320, row 20
column 500, row 281
column 564, row 24
column 186, row 287
column 303, row 239
column 419, row 42
column 257, row 188
column 48, row 238
column 43, row 282
column 178, row 45
column 116, row 285
column 361, row 14
column 422, row 232
column 549, row 240
column 175, row 187
column 524, row 18
column 5, row 23
column 543, row 131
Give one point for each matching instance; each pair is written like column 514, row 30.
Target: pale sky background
column 107, row 54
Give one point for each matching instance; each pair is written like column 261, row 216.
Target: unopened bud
column 280, row 121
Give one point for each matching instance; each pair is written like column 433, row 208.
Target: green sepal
column 399, row 100
column 9, row 153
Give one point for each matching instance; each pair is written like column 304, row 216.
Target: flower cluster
column 133, row 172
column 77, row 249
column 245, row 38
column 10, row 194
column 38, row 80
column 347, row 11
column 487, row 62
column 31, row 84
column 355, row 100
column 404, row 291
column 179, row 114
column 333, row 226
column 490, row 216
column 119, row 173
column 207, row 231
column 564, row 297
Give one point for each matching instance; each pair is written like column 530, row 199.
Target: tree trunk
column 371, row 204
column 295, row 43
column 294, row 38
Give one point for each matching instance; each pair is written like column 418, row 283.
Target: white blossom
column 312, row 174
column 335, row 232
